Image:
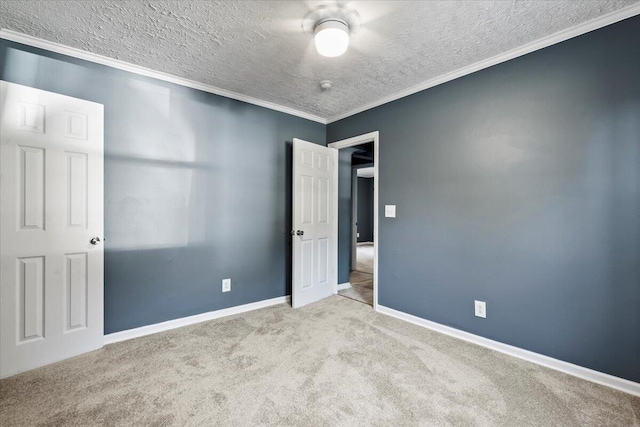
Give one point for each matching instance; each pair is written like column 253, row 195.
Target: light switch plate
column 390, row 211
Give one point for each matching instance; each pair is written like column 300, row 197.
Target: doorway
column 357, row 199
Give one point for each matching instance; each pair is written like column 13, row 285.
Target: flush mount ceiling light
column 331, row 27
column 332, row 37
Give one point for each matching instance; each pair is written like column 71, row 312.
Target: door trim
column 350, row 142
column 354, row 219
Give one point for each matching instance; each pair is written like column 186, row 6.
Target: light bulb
column 332, row 38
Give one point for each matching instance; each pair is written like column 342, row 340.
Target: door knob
column 300, row 233
column 95, row 240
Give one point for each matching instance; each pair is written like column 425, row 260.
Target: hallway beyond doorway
column 361, row 279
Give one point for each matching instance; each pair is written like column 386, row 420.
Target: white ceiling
column 258, row 49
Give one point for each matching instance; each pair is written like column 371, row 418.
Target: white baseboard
column 185, row 321
column 343, row 286
column 621, row 384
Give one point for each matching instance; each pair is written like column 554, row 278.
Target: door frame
column 350, row 142
column 354, row 218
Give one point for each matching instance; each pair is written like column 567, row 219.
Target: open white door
column 51, row 220
column 315, row 212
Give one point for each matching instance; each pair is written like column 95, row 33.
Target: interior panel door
column 51, row 212
column 315, row 211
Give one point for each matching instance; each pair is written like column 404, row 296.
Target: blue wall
column 519, row 185
column 365, row 209
column 345, row 212
column 197, row 189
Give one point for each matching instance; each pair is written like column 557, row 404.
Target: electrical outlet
column 226, row 285
column 481, row 309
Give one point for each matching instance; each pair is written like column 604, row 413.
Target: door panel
column 323, row 260
column 76, row 291
column 306, row 204
column 51, row 197
column 314, row 214
column 306, row 261
column 77, row 189
column 31, row 301
column 31, row 178
column 323, row 201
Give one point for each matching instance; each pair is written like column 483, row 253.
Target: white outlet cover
column 226, row 285
column 480, row 309
column 390, row 211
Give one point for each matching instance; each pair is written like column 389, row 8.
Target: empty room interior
column 320, row 213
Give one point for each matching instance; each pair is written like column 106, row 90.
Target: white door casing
column 51, row 206
column 315, row 212
column 373, row 137
column 354, row 219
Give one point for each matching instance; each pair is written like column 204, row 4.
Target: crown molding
column 560, row 36
column 28, row 40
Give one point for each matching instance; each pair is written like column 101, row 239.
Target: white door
column 51, row 190
column 315, row 241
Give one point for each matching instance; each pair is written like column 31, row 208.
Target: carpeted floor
column 364, row 257
column 361, row 279
column 361, row 288
column 333, row 363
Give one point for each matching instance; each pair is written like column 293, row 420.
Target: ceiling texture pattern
column 258, row 48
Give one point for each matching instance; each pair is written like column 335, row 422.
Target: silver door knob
column 95, row 240
column 300, row 233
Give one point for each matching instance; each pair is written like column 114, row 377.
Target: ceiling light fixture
column 331, row 26
column 332, row 37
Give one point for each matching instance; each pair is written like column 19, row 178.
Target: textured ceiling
column 257, row 48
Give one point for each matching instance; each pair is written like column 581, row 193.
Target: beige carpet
column 361, row 279
column 364, row 257
column 361, row 287
column 333, row 363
